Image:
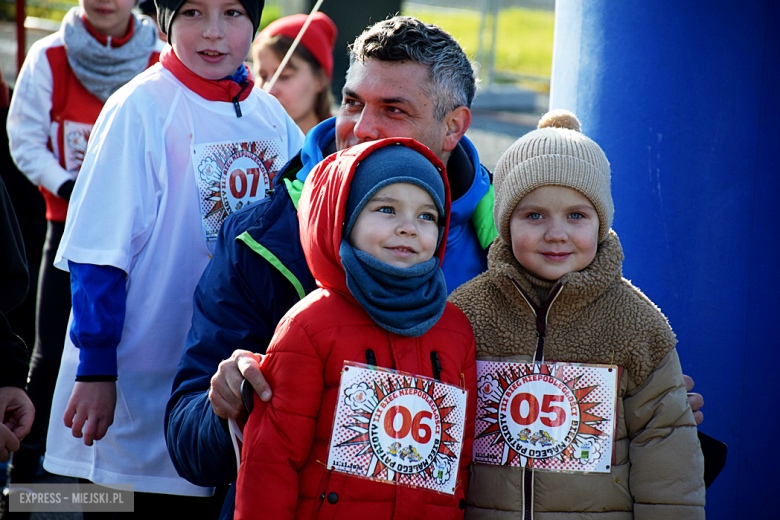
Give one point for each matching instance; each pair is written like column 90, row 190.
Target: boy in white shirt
column 172, row 154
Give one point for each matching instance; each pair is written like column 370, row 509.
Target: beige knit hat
column 557, row 153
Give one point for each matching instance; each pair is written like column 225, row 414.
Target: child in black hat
column 173, row 153
column 64, row 82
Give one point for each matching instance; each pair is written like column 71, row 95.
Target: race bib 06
column 557, row 417
column 398, row 428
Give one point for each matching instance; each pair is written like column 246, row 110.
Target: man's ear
column 457, row 122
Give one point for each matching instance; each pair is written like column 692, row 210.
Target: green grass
column 51, row 10
column 270, row 13
column 524, row 41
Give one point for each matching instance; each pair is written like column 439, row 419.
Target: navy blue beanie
column 392, row 164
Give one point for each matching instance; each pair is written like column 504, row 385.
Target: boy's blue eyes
column 390, row 211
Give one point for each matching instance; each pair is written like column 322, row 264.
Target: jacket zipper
column 541, row 314
column 436, row 365
column 244, row 85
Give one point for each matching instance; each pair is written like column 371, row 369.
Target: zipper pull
column 370, row 357
column 244, row 85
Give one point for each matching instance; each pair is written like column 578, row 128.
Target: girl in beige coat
column 554, row 291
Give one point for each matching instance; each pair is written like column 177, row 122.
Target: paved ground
column 8, row 48
column 493, row 132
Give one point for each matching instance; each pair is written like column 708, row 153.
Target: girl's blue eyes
column 538, row 216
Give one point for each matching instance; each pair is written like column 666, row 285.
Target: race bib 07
column 398, row 428
column 231, row 176
column 557, row 417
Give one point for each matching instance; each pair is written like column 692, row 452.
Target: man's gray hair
column 403, row 38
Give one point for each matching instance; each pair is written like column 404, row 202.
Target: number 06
column 408, row 424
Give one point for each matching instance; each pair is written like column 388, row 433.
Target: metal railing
column 489, row 11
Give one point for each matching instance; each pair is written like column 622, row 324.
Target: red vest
column 75, row 111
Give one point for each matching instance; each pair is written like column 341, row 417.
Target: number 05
column 533, row 410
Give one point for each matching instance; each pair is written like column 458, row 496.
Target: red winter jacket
column 283, row 473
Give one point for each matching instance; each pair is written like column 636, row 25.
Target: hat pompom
column 560, row 119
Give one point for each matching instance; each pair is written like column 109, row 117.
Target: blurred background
column 509, row 41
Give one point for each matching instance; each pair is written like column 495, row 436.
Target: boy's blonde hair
column 557, row 153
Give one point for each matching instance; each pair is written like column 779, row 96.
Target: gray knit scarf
column 101, row 68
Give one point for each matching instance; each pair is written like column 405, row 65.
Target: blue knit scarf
column 407, row 301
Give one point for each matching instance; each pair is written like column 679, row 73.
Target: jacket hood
column 322, row 207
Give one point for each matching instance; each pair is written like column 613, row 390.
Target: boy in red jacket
column 373, row 222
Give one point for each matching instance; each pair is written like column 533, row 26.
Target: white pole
column 268, row 86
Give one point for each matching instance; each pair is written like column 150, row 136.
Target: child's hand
column 92, row 403
column 225, row 391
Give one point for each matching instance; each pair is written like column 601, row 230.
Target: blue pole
column 683, row 98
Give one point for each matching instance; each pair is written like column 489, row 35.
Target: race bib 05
column 557, row 417
column 398, row 428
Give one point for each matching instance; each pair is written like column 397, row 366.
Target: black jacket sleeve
column 13, row 289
